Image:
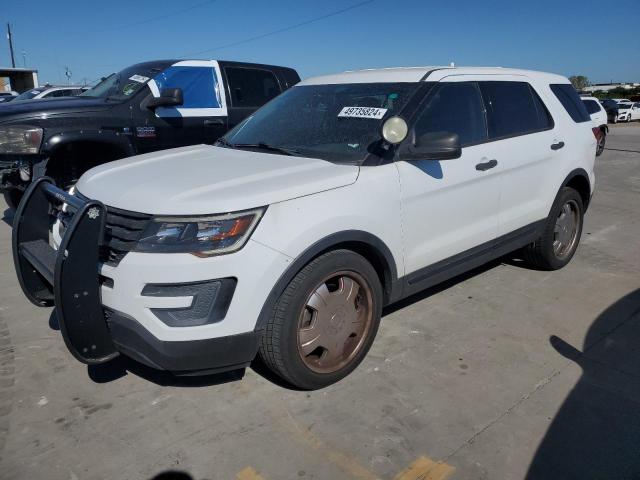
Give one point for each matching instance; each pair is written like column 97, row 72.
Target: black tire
column 541, row 253
column 601, row 143
column 12, row 197
column 279, row 348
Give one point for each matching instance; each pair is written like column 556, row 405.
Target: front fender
column 106, row 137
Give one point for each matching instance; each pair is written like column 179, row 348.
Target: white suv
column 344, row 194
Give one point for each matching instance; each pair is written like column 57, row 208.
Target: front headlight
column 20, row 139
column 200, row 236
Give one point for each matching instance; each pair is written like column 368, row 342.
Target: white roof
column 432, row 74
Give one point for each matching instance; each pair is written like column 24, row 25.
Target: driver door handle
column 214, row 121
column 486, row 165
column 557, row 146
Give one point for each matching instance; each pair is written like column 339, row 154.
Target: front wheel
column 561, row 235
column 324, row 322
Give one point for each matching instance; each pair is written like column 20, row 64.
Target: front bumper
column 188, row 357
column 104, row 310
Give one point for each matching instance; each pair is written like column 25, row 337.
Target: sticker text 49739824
column 363, row 112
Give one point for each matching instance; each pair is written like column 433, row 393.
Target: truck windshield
column 122, row 85
column 339, row 123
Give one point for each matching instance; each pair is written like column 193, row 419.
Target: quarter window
column 455, row 108
column 514, row 108
column 570, row 101
column 251, row 87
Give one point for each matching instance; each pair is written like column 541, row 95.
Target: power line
column 167, row 15
column 153, row 19
column 281, row 30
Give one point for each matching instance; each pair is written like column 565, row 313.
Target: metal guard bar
column 69, row 277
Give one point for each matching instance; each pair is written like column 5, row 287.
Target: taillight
column 596, row 132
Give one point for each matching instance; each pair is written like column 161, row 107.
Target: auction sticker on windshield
column 138, row 78
column 363, row 112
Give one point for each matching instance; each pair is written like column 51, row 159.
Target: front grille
column 123, row 229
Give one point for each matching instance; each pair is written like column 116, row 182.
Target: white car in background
column 7, row 96
column 49, row 91
column 628, row 112
column 599, row 120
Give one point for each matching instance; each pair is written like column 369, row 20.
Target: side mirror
column 169, row 97
column 434, row 146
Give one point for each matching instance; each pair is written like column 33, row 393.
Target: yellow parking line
column 248, row 473
column 426, row 469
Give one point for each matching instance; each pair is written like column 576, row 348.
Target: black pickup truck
column 146, row 107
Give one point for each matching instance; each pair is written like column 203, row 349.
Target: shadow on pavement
column 173, row 475
column 121, row 366
column 596, row 432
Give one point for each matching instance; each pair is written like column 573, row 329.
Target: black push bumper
column 69, row 278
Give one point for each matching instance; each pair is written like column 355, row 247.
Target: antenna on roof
column 452, row 64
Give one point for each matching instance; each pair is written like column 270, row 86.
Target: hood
column 202, row 179
column 45, row 107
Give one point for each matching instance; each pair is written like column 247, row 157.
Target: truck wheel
column 324, row 323
column 561, row 235
column 12, row 197
column 601, row 143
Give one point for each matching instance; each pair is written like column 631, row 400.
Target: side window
column 251, row 87
column 57, row 93
column 591, row 106
column 514, row 108
column 199, row 85
column 456, row 108
column 570, row 101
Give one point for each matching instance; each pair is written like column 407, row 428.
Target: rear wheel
column 12, row 197
column 324, row 322
column 601, row 143
column 561, row 235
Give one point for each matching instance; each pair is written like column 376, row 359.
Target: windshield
column 28, row 95
column 339, row 123
column 122, row 85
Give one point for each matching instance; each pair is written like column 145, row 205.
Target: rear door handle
column 557, row 146
column 486, row 165
column 214, row 121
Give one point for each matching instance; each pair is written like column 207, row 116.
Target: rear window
column 571, row 101
column 251, row 87
column 514, row 108
column 592, row 106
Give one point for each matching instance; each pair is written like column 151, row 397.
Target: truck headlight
column 20, row 139
column 200, row 236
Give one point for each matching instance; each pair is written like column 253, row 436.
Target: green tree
column 579, row 82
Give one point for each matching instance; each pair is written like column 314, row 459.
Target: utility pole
column 13, row 60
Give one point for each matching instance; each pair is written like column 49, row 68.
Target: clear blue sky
column 598, row 39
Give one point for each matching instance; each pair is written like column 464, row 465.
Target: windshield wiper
column 265, row 146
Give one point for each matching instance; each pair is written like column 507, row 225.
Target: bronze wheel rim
column 566, row 230
column 335, row 322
